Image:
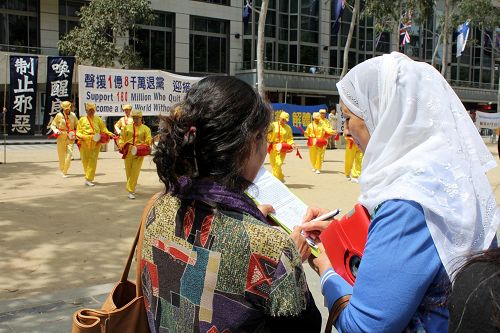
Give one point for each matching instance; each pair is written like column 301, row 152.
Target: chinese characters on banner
column 151, row 91
column 300, row 115
column 23, row 84
column 59, row 83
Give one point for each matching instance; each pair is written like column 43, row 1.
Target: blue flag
column 339, row 9
column 463, row 33
column 246, row 13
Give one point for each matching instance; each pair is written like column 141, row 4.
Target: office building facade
column 303, row 59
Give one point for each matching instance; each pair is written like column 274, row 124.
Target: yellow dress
column 63, row 123
column 315, row 131
column 121, row 123
column 353, row 159
column 89, row 149
column 134, row 135
column 278, row 133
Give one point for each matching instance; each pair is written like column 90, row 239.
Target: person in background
column 64, row 125
column 353, row 158
column 316, row 132
column 209, row 254
column 425, row 188
column 125, row 120
column 89, row 131
column 332, row 120
column 279, row 132
column 134, row 135
column 474, row 301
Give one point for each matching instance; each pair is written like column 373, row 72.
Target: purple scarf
column 209, row 191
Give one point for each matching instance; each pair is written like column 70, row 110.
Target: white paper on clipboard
column 269, row 190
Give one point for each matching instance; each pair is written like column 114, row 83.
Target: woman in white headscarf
column 425, row 187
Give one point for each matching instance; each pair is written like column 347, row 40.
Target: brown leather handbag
column 123, row 311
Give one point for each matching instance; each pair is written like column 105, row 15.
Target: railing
column 333, row 71
column 29, row 49
column 291, row 68
column 477, row 85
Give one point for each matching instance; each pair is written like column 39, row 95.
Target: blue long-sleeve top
column 401, row 283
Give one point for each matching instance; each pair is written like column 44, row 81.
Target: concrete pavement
column 64, row 244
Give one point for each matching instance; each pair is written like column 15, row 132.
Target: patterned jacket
column 212, row 269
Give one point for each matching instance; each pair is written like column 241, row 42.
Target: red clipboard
column 344, row 241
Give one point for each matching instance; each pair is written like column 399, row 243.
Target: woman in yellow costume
column 64, row 125
column 88, row 128
column 279, row 132
column 125, row 120
column 134, row 135
column 316, row 133
column 353, row 158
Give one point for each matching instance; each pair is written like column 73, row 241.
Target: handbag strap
column 334, row 314
column 139, row 232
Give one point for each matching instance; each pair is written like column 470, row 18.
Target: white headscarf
column 425, row 148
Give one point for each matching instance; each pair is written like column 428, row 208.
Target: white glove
column 56, row 131
column 118, row 131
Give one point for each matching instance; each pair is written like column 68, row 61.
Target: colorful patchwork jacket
column 207, row 268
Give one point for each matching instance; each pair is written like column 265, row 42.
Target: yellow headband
column 322, row 111
column 137, row 113
column 127, row 107
column 90, row 106
column 284, row 115
column 65, row 105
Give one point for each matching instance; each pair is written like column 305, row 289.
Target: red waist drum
column 283, row 147
column 104, row 138
column 321, row 142
column 140, row 150
column 72, row 135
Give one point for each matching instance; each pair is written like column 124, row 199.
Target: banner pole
column 4, row 110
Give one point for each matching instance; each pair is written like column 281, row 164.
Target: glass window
column 208, row 45
column 154, row 43
column 308, row 55
column 217, row 2
column 19, row 26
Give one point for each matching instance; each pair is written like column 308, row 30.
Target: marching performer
column 280, row 140
column 316, row 133
column 91, row 133
column 353, row 159
column 135, row 143
column 64, row 126
column 125, row 120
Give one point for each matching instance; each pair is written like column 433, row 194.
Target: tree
column 387, row 15
column 103, row 23
column 260, row 47
column 347, row 46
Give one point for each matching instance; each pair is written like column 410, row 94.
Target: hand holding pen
column 316, row 220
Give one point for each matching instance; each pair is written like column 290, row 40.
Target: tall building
column 302, row 57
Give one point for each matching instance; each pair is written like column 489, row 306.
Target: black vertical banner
column 59, row 83
column 23, row 86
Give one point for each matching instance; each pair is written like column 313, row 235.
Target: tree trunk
column 261, row 38
column 436, row 48
column 444, row 60
column 349, row 38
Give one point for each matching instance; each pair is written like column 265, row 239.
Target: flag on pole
column 246, row 13
column 405, row 24
column 339, row 9
column 404, row 35
column 463, row 33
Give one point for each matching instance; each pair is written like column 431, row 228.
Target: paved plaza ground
column 63, row 244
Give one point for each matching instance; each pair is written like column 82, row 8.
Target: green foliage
column 386, row 12
column 102, row 23
column 481, row 13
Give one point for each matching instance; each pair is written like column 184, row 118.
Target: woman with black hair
column 474, row 302
column 210, row 261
